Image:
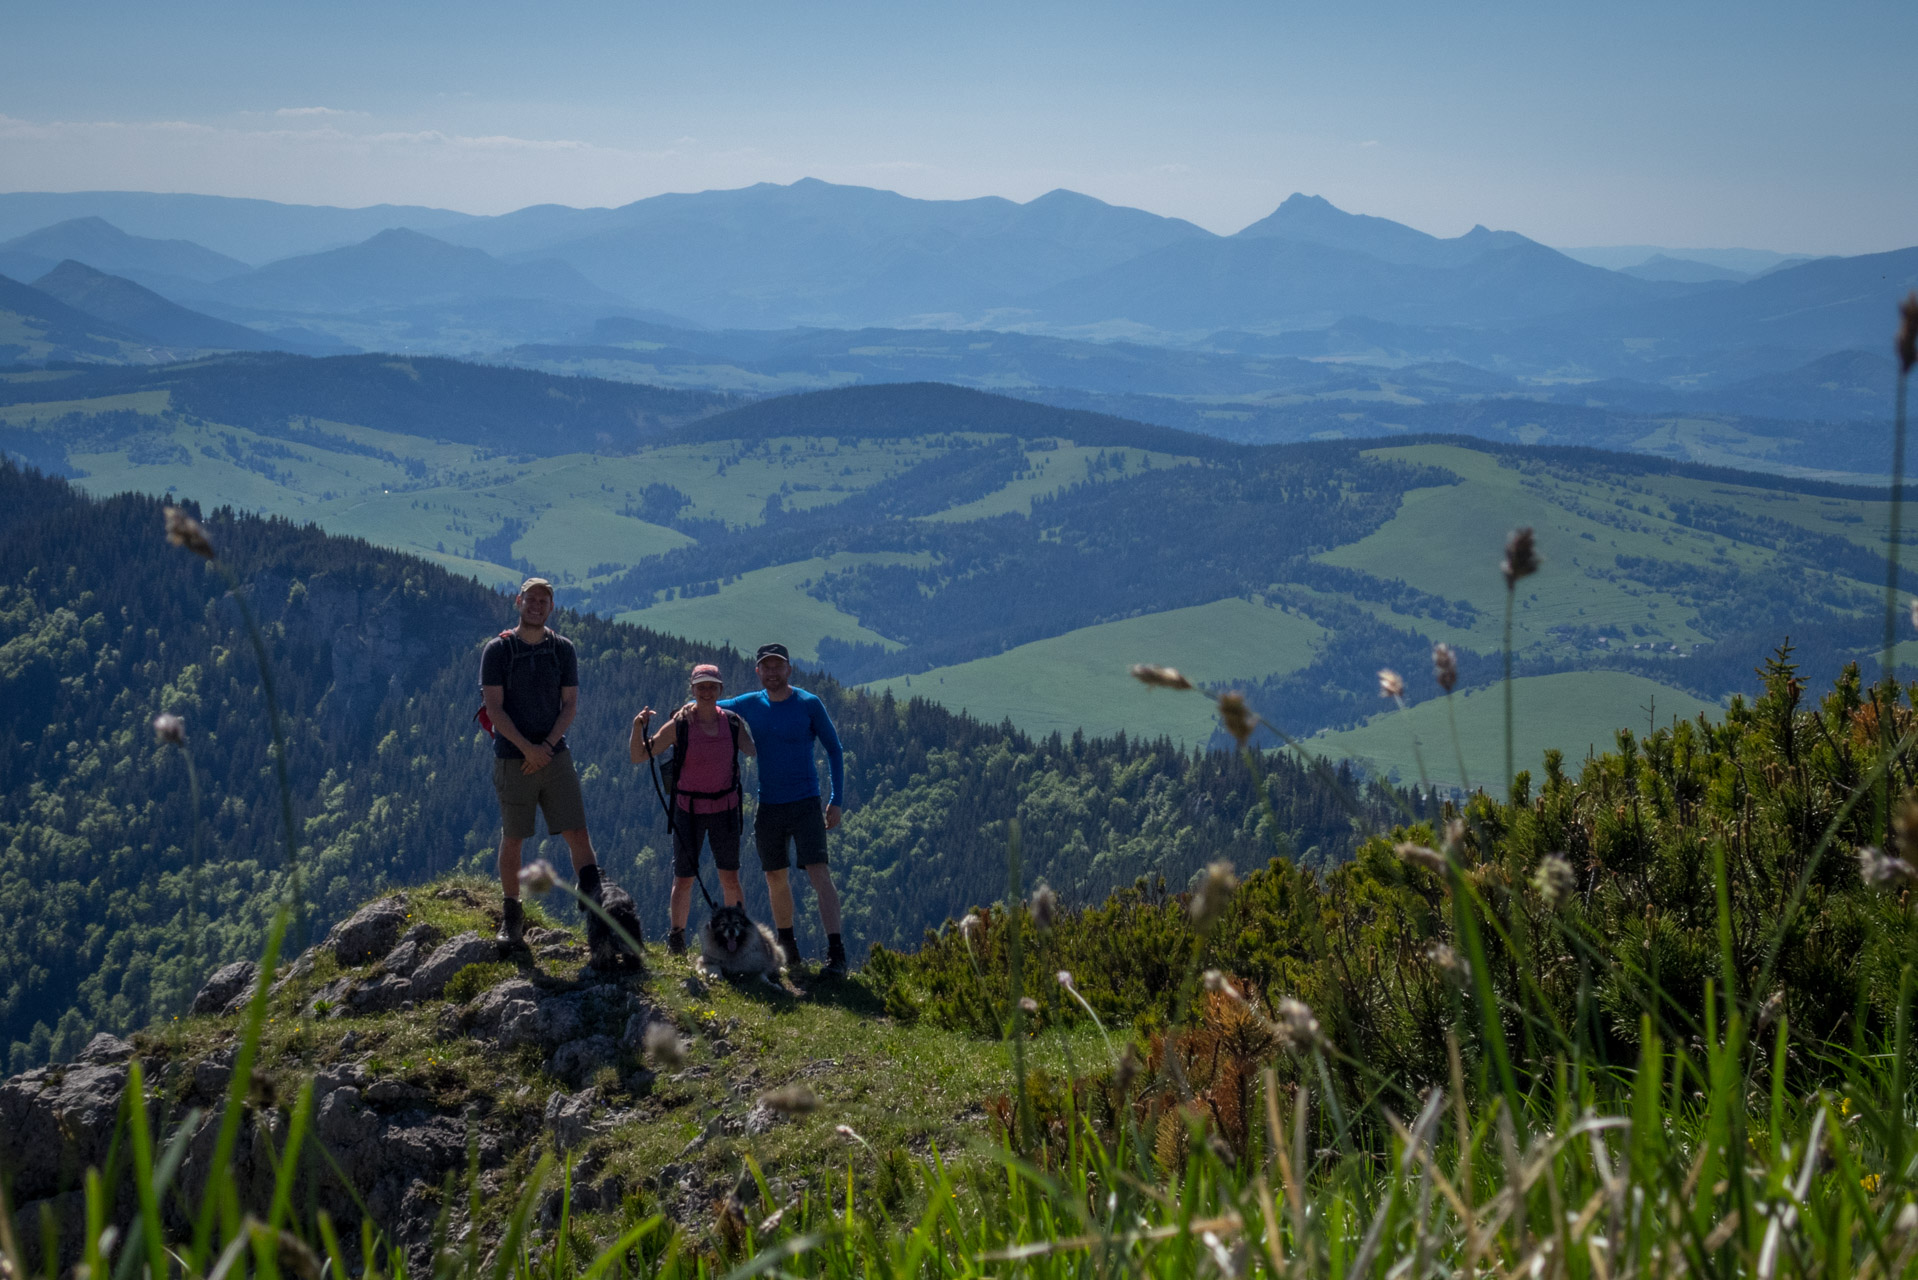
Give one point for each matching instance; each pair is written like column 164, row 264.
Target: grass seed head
column 1045, row 906
column 182, row 530
column 1880, row 870
column 1769, row 1011
column 1298, row 1028
column 791, row 1100
column 1238, row 718
column 663, row 1045
column 1065, row 978
column 1127, row 1072
column 1159, row 677
column 1445, row 662
column 1214, row 893
column 1217, row 981
column 1908, row 332
column 169, row 729
column 538, row 877
column 1554, row 880
column 1904, row 826
column 1028, row 1005
column 1419, row 855
column 1391, row 684
column 1521, row 556
column 1450, row 964
column 972, row 927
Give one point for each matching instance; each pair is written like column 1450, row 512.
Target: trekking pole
column 659, row 789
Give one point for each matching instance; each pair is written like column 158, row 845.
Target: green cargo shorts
column 554, row 789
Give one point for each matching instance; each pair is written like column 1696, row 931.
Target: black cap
column 772, row 651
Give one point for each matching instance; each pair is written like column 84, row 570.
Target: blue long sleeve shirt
column 784, row 731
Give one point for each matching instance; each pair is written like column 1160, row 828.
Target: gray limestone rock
column 104, row 1049
column 385, row 992
column 433, row 973
column 56, row 1121
column 393, row 1092
column 370, row 932
column 577, row 1060
column 228, row 981
column 330, row 1000
column 414, row 946
column 569, row 1118
column 516, row 1012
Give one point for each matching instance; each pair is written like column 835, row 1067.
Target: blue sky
column 1765, row 125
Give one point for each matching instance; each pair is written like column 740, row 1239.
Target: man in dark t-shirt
column 529, row 678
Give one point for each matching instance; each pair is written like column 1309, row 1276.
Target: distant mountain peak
column 138, row 310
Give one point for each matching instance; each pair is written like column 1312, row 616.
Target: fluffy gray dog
column 730, row 942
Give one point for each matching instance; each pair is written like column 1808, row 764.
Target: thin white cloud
column 314, row 111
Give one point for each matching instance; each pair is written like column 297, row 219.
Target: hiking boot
column 676, row 942
column 512, row 926
column 835, row 956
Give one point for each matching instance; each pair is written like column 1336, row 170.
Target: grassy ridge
column 1072, row 681
column 1553, row 711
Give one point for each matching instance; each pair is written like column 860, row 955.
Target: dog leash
column 659, row 789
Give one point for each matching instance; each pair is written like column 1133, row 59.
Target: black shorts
column 803, row 823
column 720, row 829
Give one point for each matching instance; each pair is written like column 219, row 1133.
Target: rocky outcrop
column 433, row 973
column 57, row 1121
column 379, row 1143
column 370, row 932
column 414, row 946
column 229, row 983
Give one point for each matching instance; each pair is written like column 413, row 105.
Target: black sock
column 835, row 944
column 513, row 909
column 589, row 880
column 790, row 941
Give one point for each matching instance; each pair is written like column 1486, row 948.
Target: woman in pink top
column 706, row 794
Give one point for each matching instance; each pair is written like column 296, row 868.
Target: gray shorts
column 554, row 789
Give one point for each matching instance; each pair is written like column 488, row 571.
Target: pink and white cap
column 706, row 673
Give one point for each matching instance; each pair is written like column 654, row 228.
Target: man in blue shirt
column 785, row 722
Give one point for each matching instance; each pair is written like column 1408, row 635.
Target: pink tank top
column 708, row 764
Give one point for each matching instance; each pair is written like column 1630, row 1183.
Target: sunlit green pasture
column 1576, row 712
column 1079, row 679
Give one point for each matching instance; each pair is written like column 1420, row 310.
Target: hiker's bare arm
column 637, row 746
column 494, row 695
column 568, row 708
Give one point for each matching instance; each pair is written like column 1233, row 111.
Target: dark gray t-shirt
column 533, row 675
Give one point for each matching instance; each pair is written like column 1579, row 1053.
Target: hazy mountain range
column 778, row 288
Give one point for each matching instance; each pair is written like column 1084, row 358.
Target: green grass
column 1052, row 470
column 1078, row 680
column 770, row 604
column 1445, row 540
column 1576, row 712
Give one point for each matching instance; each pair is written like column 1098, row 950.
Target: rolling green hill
column 997, row 552
column 1567, row 712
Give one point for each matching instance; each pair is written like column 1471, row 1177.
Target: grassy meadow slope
column 998, row 553
column 1575, row 713
column 1067, row 682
